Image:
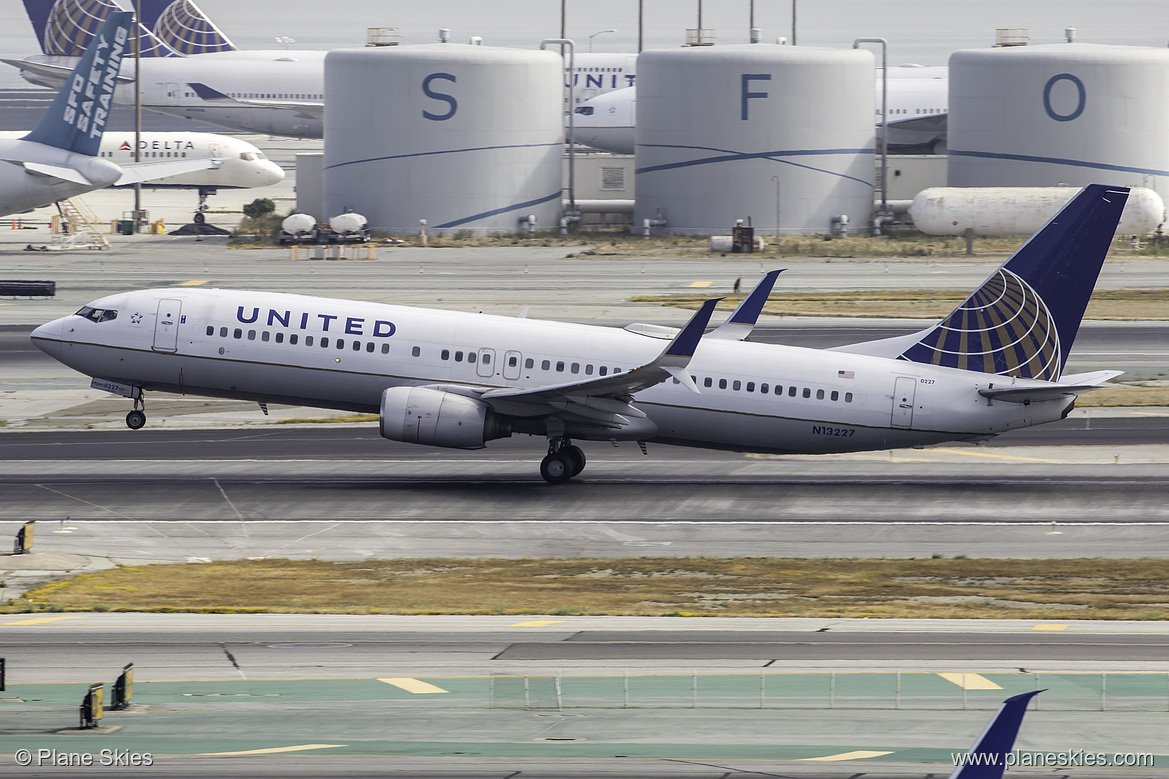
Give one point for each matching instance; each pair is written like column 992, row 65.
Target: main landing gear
column 562, row 462
column 137, row 418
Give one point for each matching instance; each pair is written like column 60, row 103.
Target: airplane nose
column 47, row 338
column 271, row 174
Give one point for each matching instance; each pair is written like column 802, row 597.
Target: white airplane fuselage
column 237, row 163
column 267, row 82
column 754, row 397
column 23, row 187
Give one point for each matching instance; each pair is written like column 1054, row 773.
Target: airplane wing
column 307, row 108
column 58, row 72
column 928, row 123
column 142, row 172
column 742, row 321
column 1068, row 385
column 603, row 401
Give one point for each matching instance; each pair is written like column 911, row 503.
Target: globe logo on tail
column 1003, row 328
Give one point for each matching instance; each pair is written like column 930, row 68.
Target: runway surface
column 463, row 696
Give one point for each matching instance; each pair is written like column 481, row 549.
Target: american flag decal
column 845, row 375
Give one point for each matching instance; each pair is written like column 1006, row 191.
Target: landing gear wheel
column 556, row 468
column 135, row 419
column 575, row 456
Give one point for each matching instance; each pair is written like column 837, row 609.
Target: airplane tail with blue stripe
column 66, row 28
column 1022, row 321
column 77, row 117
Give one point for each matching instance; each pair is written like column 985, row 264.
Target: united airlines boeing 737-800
column 459, row 380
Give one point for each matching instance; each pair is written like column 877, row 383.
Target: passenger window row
column 765, row 388
column 560, row 366
column 294, row 338
column 468, row 356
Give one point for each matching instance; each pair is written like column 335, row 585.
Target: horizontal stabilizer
column 1069, row 385
column 58, row 172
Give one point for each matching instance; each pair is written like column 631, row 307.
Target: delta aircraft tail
column 1023, row 319
column 77, row 117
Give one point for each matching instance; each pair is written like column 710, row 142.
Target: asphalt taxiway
column 211, row 480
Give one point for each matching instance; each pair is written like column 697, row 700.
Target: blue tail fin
column 66, row 27
column 38, row 14
column 1023, row 319
column 987, row 758
column 183, row 26
column 77, row 117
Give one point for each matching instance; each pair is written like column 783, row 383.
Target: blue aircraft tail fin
column 183, row 26
column 77, row 117
column 66, row 28
column 1023, row 319
column 987, row 758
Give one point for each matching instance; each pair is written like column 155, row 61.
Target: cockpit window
column 247, row 156
column 586, row 110
column 98, row 314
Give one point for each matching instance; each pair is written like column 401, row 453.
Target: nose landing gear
column 563, row 461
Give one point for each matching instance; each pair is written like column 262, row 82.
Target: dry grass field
column 756, row 587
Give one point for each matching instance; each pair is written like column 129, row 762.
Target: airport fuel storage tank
column 1060, row 114
column 464, row 137
column 782, row 135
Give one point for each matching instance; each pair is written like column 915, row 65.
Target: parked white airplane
column 459, row 380
column 918, row 107
column 223, row 162
column 57, row 160
column 277, row 92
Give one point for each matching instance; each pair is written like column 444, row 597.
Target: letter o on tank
column 1081, row 93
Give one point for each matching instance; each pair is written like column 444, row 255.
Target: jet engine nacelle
column 417, row 415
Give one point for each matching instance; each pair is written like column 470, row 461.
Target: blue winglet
column 987, row 758
column 77, row 117
column 686, row 342
column 752, row 306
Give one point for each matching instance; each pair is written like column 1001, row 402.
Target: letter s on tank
column 426, row 90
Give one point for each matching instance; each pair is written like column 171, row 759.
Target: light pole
column 884, row 119
column 776, row 180
column 563, row 43
column 594, row 35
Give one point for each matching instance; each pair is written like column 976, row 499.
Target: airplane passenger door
column 166, row 326
column 486, row 364
column 512, row 365
column 903, row 392
column 172, row 93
